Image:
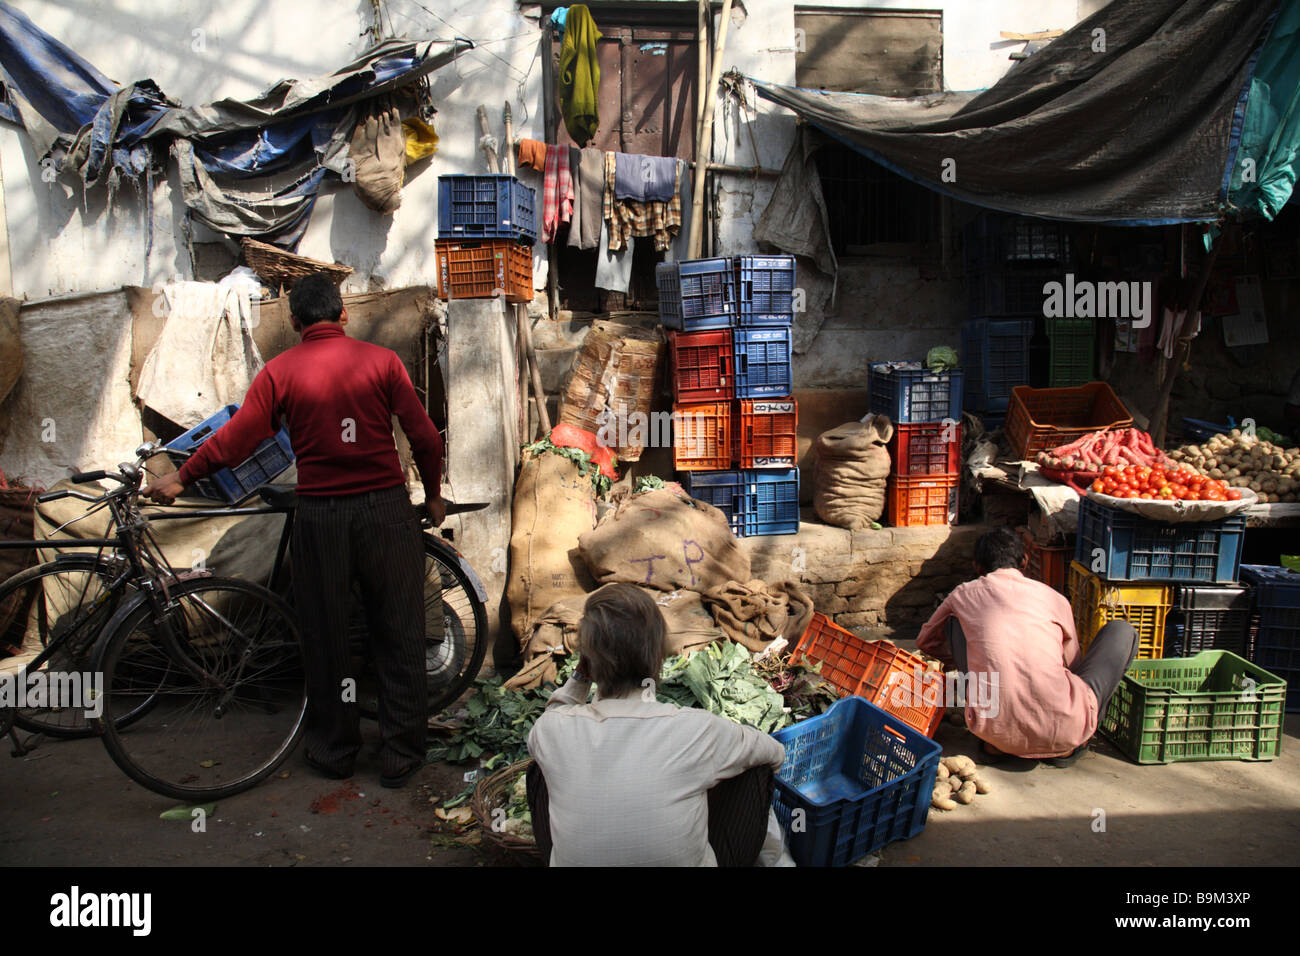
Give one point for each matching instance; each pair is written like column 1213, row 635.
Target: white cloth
column 628, row 779
column 205, row 357
column 613, row 269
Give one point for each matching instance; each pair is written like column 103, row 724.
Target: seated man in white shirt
column 627, row 778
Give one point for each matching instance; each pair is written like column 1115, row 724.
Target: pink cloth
column 1021, row 632
column 557, row 191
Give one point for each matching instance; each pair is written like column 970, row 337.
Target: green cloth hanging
column 579, row 75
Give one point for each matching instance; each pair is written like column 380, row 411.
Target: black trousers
column 738, row 809
column 372, row 540
column 1111, row 652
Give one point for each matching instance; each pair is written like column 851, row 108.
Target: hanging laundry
column 557, row 191
column 628, row 218
column 644, row 178
column 588, row 192
column 579, row 75
column 532, row 153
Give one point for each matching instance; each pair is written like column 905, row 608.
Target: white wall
column 202, row 50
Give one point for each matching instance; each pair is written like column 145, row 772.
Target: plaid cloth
column 628, row 218
column 557, row 191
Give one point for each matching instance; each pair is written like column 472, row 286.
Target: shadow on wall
column 930, row 581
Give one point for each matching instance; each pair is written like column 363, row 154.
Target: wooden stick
column 539, row 395
column 1159, row 427
column 550, row 126
column 706, row 135
column 509, row 153
column 484, row 132
column 702, row 71
column 1042, row 35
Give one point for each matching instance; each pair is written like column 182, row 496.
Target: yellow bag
column 421, row 140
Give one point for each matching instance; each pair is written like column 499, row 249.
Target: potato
column 981, row 786
column 943, row 772
column 942, row 801
column 967, row 792
column 955, row 783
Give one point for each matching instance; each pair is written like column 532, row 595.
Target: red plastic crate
column 881, row 671
column 1048, row 563
column 921, row 500
column 765, row 433
column 702, row 436
column 926, row 448
column 484, row 269
column 703, row 366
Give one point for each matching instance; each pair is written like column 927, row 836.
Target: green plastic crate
column 1196, row 708
column 1071, row 345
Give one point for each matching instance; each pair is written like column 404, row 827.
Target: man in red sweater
column 354, row 522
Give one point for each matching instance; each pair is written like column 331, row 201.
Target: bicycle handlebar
column 85, row 477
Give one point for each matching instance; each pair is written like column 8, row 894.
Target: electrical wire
column 510, row 66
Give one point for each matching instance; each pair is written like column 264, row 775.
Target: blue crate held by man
column 486, row 207
column 233, row 485
column 766, row 289
column 855, row 779
column 909, row 392
column 762, row 357
column 697, row 294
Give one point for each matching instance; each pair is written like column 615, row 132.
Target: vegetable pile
column 956, row 782
column 1096, row 450
column 1160, row 484
column 1246, row 461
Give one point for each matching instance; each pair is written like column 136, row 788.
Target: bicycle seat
column 278, row 496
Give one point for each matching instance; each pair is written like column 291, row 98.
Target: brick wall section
column 870, row 579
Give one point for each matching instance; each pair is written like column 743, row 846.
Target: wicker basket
column 491, row 793
column 282, row 269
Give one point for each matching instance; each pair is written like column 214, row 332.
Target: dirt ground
column 67, row 804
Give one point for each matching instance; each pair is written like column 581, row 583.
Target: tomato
column 1110, row 471
column 1146, row 496
column 1234, row 494
column 1165, row 493
column 1098, row 486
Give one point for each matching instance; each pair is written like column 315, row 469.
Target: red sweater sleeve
column 426, row 443
column 238, row 438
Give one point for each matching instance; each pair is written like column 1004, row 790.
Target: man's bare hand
column 437, row 511
column 164, row 490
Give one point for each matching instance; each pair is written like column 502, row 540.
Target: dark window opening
column 872, row 207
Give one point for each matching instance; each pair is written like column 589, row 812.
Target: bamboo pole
column 508, row 153
column 488, row 152
column 539, row 395
column 704, row 140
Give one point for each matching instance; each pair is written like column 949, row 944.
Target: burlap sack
column 16, row 510
column 553, row 506
column 555, row 632
column 757, row 613
column 850, row 472
column 667, row 541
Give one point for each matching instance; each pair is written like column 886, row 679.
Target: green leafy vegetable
column 583, row 460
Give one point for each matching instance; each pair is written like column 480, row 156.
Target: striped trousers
column 373, row 540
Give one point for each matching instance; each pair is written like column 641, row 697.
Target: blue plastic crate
column 762, row 363
column 233, row 485
column 1008, row 291
column 722, row 489
column 697, row 294
column 769, row 502
column 1138, row 549
column 994, row 360
column 1275, row 624
column 908, row 392
column 486, row 207
column 854, row 779
column 996, row 240
column 765, row 290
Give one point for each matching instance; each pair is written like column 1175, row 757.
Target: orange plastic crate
column 702, row 436
column 1040, row 419
column 1048, row 563
column 765, row 433
column 921, row 500
column 881, row 671
column 484, row 269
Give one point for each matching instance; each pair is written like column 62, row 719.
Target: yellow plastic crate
column 1097, row 602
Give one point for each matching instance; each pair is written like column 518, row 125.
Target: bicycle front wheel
column 222, row 667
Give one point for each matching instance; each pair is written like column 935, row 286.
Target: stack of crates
column 1274, row 628
column 1008, row 261
column 1175, row 582
column 486, row 229
column 925, row 452
column 734, row 417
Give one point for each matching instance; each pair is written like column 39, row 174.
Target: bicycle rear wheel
column 62, row 607
column 222, row 667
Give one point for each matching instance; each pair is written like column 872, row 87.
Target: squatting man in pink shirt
column 1021, row 633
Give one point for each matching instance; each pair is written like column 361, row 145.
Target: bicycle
column 203, row 692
